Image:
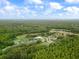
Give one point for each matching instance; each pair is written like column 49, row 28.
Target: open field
column 39, row 39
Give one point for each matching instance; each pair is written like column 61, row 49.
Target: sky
column 39, row 9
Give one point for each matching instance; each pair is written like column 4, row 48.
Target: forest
column 39, row 39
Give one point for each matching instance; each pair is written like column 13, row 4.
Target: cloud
column 25, row 10
column 9, row 7
column 2, row 11
column 72, row 11
column 39, row 6
column 6, row 7
column 11, row 10
column 4, row 2
column 34, row 1
column 72, row 1
column 55, row 5
column 48, row 12
column 37, row 1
